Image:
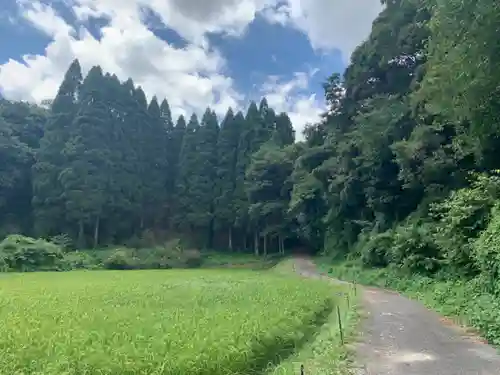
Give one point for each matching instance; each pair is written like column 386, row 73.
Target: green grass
column 156, row 322
column 325, row 354
column 238, row 260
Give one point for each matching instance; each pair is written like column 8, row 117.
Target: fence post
column 340, row 326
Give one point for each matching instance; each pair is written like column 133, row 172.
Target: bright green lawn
column 154, row 322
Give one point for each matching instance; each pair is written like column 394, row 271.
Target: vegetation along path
column 402, row 337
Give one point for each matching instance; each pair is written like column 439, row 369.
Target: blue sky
column 216, row 53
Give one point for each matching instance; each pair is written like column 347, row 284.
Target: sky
column 195, row 53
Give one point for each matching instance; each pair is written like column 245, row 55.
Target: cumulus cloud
column 328, row 23
column 193, row 77
column 190, row 78
column 292, row 96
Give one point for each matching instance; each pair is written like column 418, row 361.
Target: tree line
column 103, row 164
column 399, row 171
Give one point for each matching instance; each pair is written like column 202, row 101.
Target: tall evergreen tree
column 48, row 199
column 173, row 143
column 227, row 151
column 203, row 188
column 85, row 178
column 177, row 140
column 166, row 116
column 123, row 182
column 283, row 133
column 245, row 150
column 268, row 121
column 185, row 202
column 157, row 138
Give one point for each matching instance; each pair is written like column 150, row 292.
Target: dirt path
column 402, row 337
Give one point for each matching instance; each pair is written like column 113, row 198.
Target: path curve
column 400, row 336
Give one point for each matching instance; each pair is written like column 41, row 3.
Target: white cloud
column 190, row 78
column 328, row 24
column 45, row 19
column 292, row 97
column 192, row 19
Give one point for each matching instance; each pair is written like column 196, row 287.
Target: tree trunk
column 230, row 239
column 96, row 231
column 81, row 235
column 141, row 225
column 256, row 243
column 211, row 234
column 265, row 245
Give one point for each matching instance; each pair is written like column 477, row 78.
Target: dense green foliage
column 24, row 254
column 402, row 172
column 150, row 322
column 399, row 172
column 105, row 166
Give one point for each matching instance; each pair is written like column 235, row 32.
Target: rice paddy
column 155, row 322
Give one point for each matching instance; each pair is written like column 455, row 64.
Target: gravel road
column 400, row 336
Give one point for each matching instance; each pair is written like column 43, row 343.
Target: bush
column 22, row 253
column 414, row 249
column 462, row 216
column 192, row 258
column 121, row 259
column 374, row 249
column 170, row 255
column 80, row 260
column 19, row 253
column 3, row 264
column 486, row 252
column 64, row 241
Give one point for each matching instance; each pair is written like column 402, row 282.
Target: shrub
column 170, row 255
column 486, row 251
column 462, row 217
column 80, row 260
column 22, row 253
column 3, row 264
column 192, row 258
column 374, row 249
column 121, row 259
column 414, row 249
column 64, row 241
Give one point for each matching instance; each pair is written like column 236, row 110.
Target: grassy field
column 239, row 260
column 155, row 322
column 326, row 353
